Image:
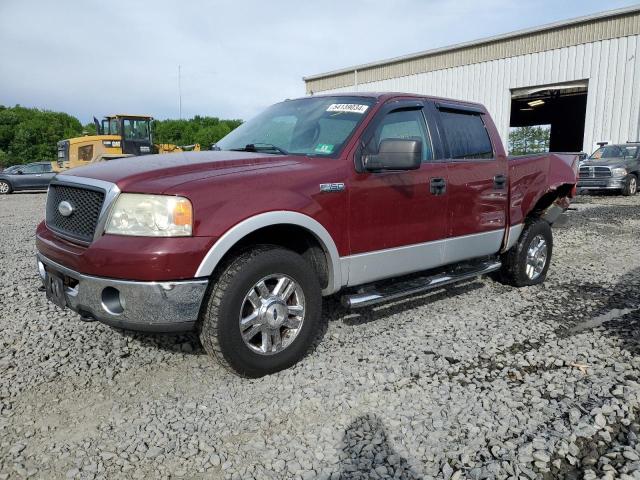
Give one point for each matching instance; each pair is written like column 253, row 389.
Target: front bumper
column 166, row 306
column 606, row 183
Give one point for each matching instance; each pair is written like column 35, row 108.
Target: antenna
column 179, row 95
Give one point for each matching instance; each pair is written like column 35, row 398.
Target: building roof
column 116, row 115
column 599, row 26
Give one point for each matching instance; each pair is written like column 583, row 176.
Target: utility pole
column 179, row 95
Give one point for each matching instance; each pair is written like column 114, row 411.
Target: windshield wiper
column 259, row 147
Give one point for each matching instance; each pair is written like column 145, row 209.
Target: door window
column 29, row 169
column 466, row 135
column 403, row 124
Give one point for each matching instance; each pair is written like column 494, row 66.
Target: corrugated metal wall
column 510, row 45
column 611, row 66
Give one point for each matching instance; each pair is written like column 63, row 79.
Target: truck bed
column 533, row 176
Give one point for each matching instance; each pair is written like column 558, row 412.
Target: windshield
column 317, row 126
column 615, row 151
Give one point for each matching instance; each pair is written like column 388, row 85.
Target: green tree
column 29, row 134
column 202, row 130
column 530, row 139
column 89, row 129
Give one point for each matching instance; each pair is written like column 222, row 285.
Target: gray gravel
column 478, row 381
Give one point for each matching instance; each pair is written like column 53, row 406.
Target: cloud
column 94, row 58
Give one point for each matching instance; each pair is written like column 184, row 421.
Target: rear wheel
column 5, row 187
column 630, row 185
column 263, row 312
column 527, row 262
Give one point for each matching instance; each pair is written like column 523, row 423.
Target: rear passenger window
column 404, row 124
column 466, row 135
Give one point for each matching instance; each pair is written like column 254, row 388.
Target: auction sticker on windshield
column 347, row 108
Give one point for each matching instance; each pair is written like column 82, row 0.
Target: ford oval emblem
column 65, row 208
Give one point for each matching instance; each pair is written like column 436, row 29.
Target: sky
column 88, row 58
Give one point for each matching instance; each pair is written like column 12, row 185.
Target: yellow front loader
column 117, row 136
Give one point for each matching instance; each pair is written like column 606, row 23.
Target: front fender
column 282, row 217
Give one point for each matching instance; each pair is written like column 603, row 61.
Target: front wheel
column 263, row 311
column 630, row 185
column 527, row 262
column 5, row 187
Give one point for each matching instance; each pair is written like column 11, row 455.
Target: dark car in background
column 612, row 167
column 31, row 176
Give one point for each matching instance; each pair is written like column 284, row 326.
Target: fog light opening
column 111, row 301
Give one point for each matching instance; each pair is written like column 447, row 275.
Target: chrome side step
column 371, row 296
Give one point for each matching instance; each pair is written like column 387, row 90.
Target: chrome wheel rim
column 633, row 185
column 536, row 257
column 4, row 187
column 272, row 314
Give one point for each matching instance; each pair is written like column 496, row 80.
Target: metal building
column 581, row 76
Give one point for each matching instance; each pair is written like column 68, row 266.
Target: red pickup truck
column 373, row 195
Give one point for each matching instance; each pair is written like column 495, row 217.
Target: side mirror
column 395, row 154
column 19, row 172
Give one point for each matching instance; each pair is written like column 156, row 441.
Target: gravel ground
column 478, row 381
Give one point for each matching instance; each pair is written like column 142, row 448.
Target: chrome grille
column 87, row 205
column 595, row 172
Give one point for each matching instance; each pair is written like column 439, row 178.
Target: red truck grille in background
column 81, row 224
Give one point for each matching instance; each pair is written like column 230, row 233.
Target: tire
column 527, row 262
column 234, row 298
column 5, row 187
column 630, row 185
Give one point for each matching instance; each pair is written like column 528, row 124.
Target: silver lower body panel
column 372, row 266
column 145, row 306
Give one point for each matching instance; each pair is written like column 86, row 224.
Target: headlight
column 151, row 216
column 619, row 172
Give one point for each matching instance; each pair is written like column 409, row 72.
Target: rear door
column 477, row 182
column 46, row 175
column 396, row 222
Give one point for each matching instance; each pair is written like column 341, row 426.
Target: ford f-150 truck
column 375, row 196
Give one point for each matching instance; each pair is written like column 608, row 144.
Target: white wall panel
column 611, row 66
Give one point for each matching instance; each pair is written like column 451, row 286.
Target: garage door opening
column 548, row 118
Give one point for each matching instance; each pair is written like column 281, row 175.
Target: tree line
column 31, row 135
column 531, row 139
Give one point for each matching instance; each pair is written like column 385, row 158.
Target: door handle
column 438, row 186
column 499, row 181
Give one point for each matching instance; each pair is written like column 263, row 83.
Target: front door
column 477, row 183
column 397, row 219
column 28, row 178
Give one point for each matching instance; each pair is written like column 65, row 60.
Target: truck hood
column 158, row 173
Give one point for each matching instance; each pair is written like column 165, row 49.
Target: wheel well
column 548, row 198
column 292, row 237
